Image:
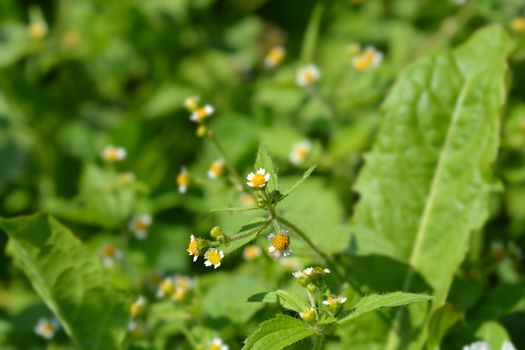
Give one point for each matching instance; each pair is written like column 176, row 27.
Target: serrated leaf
column 278, row 333
column 70, row 280
column 426, row 183
column 286, row 299
column 264, row 161
column 375, row 302
column 305, row 176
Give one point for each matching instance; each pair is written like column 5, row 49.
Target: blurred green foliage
column 78, row 75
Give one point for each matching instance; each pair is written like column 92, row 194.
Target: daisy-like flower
column 112, row 154
column 308, row 315
column 140, row 225
column 518, row 24
column 183, row 180
column 213, row 257
column 47, row 328
column 134, row 328
column 334, row 300
column 308, row 75
column 251, row 252
column 370, row 58
column 279, row 244
column 127, row 178
column 201, row 114
column 259, row 179
column 217, row 344
column 182, row 285
column 109, row 254
column 192, row 103
column 193, row 248
column 216, row 169
column 138, row 306
column 37, row 30
column 274, row 57
column 166, row 287
column 479, row 345
column 300, row 152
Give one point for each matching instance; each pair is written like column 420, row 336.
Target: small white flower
column 193, row 248
column 166, row 287
column 213, row 257
column 138, row 306
column 183, row 179
column 259, row 179
column 479, row 345
column 109, row 254
column 300, row 152
column 216, row 169
column 217, row 344
column 370, row 58
column 334, row 300
column 47, row 328
column 112, row 154
column 274, row 57
column 251, row 252
column 308, row 76
column 140, row 225
column 279, row 244
column 202, row 113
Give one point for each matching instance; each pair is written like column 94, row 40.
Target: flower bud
column 311, row 288
column 202, row 130
column 308, row 315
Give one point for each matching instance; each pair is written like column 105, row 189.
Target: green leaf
column 493, row 333
column 278, row 333
column 227, row 297
column 264, row 161
column 70, row 280
column 426, row 183
column 375, row 302
column 312, row 33
column 286, row 299
column 235, row 209
column 305, row 176
column 440, row 322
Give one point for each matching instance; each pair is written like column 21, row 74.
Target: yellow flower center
column 214, row 347
column 302, row 152
column 109, row 251
column 136, row 309
column 364, row 61
column 192, row 103
column 47, row 328
column 37, row 30
column 166, row 287
column 258, row 181
column 252, row 252
column 214, row 257
column 180, row 294
column 281, row 241
column 217, row 168
column 182, row 179
column 140, row 225
column 518, row 24
column 111, row 155
column 275, row 55
column 331, row 299
column 201, row 113
column 308, row 314
column 309, row 76
column 71, row 40
column 193, row 247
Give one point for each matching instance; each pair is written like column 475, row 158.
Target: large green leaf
column 286, row 299
column 375, row 302
column 278, row 333
column 426, row 183
column 70, row 280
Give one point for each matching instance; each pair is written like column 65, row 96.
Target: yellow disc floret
column 213, row 257
column 281, row 241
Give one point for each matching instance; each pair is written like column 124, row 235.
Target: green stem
column 247, row 233
column 189, row 337
column 326, row 259
column 238, row 181
column 318, row 342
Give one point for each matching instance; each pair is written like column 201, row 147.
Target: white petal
column 250, row 176
column 207, row 263
column 216, row 265
column 271, row 249
column 267, row 177
column 195, row 257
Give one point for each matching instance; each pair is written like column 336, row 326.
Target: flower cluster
column 217, row 344
column 199, row 114
column 112, row 154
column 138, row 307
column 177, row 287
column 313, row 275
column 274, row 57
column 213, row 257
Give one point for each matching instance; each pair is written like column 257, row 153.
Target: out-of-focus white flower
column 140, row 225
column 47, row 328
column 112, row 154
column 183, row 180
column 109, row 254
column 308, row 76
column 300, row 152
column 370, row 58
column 274, row 57
column 217, row 344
